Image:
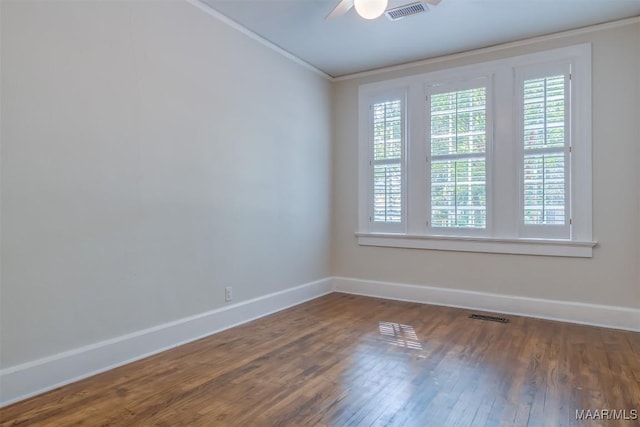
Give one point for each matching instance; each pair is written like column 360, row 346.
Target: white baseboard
column 28, row 379
column 573, row 312
column 32, row 378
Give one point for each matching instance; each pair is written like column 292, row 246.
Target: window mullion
column 416, row 160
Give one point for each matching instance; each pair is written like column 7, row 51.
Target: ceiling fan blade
column 432, row 2
column 343, row 7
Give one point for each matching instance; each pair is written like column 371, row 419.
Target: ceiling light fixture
column 370, row 9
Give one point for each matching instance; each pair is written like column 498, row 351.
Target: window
column 458, row 148
column 387, row 126
column 492, row 157
column 544, row 106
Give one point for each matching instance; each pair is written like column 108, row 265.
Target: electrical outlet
column 228, row 293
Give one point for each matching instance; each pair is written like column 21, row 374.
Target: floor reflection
column 399, row 335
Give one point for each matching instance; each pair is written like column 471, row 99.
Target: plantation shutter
column 458, row 145
column 546, row 149
column 387, row 163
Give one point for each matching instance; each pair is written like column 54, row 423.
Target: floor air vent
column 491, row 318
column 406, row 10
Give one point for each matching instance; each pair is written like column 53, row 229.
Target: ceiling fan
column 371, row 9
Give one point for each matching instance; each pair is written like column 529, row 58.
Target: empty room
column 320, row 213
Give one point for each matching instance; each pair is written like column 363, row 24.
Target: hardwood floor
column 349, row 360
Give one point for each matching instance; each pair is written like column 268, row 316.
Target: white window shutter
column 387, row 176
column 545, row 144
column 435, row 173
column 458, row 162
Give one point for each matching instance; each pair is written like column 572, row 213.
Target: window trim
column 505, row 237
column 529, row 72
column 518, row 246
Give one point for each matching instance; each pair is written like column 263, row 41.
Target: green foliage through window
column 458, row 163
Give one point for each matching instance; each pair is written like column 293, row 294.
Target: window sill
column 548, row 247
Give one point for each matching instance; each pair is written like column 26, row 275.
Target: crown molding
column 247, row 32
column 524, row 42
column 490, row 49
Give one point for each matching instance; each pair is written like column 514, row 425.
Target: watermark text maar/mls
column 607, row 414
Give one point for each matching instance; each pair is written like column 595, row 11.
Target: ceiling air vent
column 406, row 10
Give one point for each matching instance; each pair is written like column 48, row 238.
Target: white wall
column 151, row 155
column 611, row 277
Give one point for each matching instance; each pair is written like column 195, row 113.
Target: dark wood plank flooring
column 344, row 360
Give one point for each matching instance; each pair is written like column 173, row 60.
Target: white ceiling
column 350, row 44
